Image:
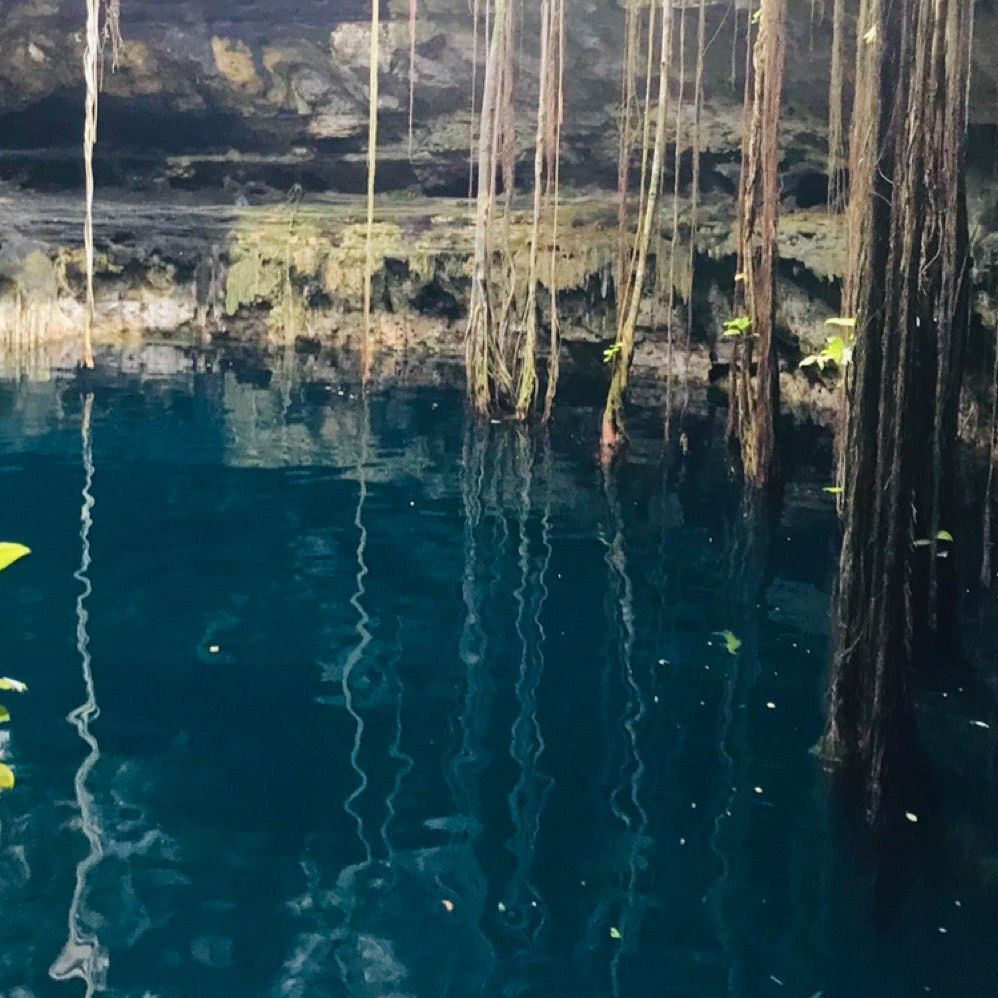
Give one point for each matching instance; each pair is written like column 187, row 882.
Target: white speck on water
column 770, row 705
column 943, row 930
column 758, row 790
column 959, row 904
column 693, row 805
column 980, row 724
column 911, row 816
column 776, row 980
column 656, row 699
column 682, row 842
column 214, row 649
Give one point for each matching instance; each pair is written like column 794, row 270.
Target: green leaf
column 757, row 16
column 835, row 350
column 833, row 490
column 4, row 715
column 610, row 354
column 731, row 641
column 615, row 932
column 843, row 322
column 737, row 326
column 12, row 685
column 9, row 553
column 7, row 780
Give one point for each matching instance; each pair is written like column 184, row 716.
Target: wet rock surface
column 291, row 276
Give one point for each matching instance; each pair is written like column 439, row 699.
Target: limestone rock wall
column 254, row 96
column 217, row 93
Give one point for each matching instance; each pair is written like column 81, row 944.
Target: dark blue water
column 366, row 701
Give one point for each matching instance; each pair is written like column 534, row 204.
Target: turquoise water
column 365, row 700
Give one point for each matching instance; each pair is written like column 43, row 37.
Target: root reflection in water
column 83, row 956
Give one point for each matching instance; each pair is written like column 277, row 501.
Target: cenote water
column 335, row 695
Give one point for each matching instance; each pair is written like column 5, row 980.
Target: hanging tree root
column 413, row 16
column 908, row 279
column 755, row 400
column 546, row 158
column 836, row 168
column 613, row 433
column 100, row 30
column 489, row 379
column 372, row 170
column 502, row 341
column 554, row 196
